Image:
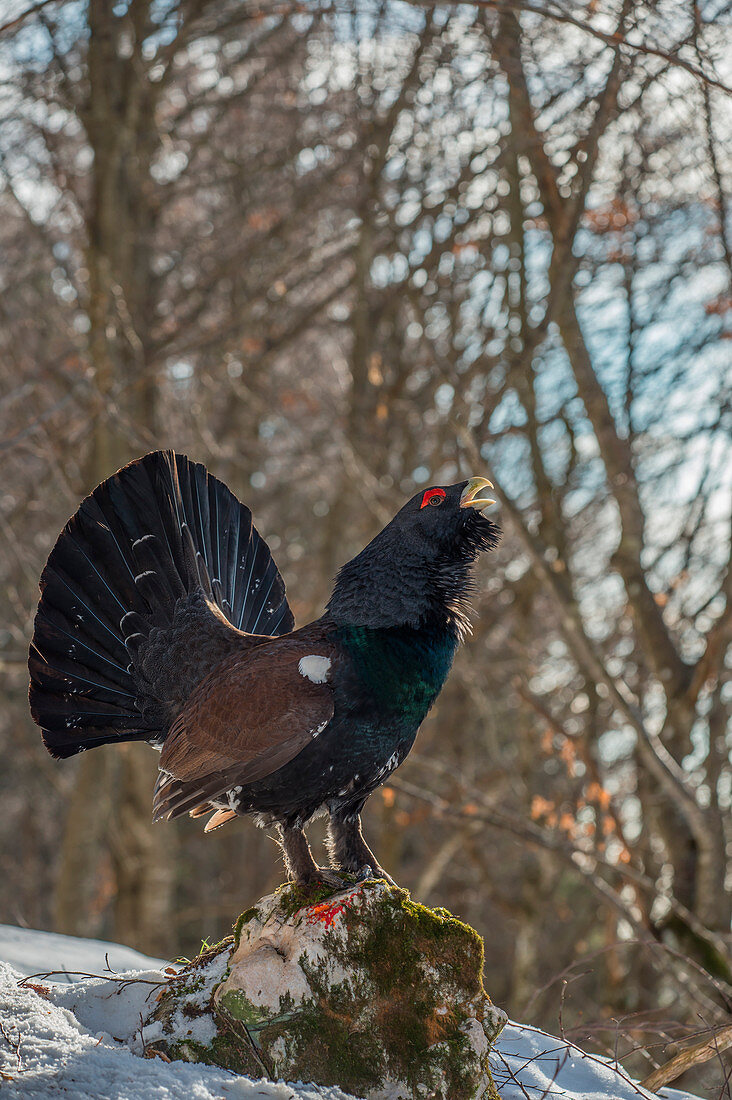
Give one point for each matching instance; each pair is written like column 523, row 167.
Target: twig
column 720, row 1041
column 123, row 982
column 14, row 1044
column 11, row 23
column 559, row 15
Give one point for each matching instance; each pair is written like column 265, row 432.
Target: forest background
column 340, row 251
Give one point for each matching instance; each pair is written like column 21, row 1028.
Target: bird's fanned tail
column 148, row 586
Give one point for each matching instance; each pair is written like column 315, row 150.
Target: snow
column 32, row 952
column 46, row 1052
column 529, row 1063
column 78, row 1035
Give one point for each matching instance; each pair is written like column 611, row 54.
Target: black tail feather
column 152, row 557
column 145, row 542
column 133, row 624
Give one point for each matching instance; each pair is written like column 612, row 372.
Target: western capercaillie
column 163, row 618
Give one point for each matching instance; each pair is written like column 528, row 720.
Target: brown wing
column 249, row 717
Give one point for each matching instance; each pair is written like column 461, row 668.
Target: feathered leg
column 350, row 852
column 301, row 866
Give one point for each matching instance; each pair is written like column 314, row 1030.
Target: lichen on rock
column 361, row 988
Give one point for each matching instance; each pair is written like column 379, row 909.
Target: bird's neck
column 403, row 668
column 384, row 588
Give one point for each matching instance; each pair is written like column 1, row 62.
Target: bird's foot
column 375, row 872
column 320, row 876
column 349, row 851
column 302, row 868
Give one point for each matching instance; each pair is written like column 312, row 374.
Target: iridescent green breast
column 401, row 669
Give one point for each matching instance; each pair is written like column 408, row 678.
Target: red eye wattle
column 432, row 496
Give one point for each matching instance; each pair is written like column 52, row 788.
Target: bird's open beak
column 470, row 498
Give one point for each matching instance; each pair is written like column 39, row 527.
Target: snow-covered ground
column 76, row 1034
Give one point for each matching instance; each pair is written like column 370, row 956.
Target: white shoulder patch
column 314, row 668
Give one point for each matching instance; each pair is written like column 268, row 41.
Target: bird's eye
column 432, row 497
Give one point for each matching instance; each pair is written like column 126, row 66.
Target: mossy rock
column 362, row 989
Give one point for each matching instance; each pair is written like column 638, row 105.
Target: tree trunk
column 79, row 894
column 142, row 855
column 120, row 126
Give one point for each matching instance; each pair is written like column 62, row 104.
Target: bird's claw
column 369, row 872
column 321, row 876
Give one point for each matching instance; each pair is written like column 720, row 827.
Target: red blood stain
column 327, row 912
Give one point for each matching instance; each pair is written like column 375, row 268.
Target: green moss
column 242, row 1009
column 326, row 1047
column 227, row 1050
column 392, row 948
column 244, row 918
column 292, row 898
column 254, row 1017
